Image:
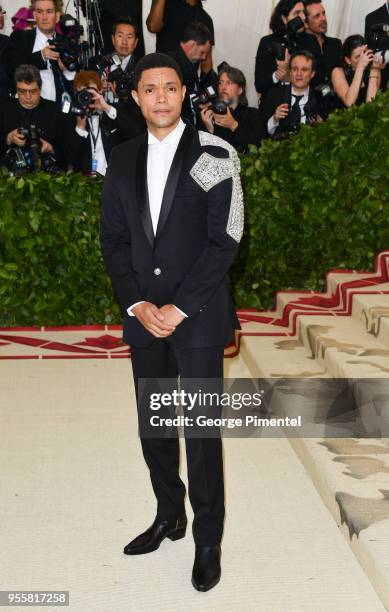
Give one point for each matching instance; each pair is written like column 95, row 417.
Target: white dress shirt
column 159, row 160
column 48, row 84
column 273, row 123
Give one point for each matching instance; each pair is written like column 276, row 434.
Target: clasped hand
column 160, row 322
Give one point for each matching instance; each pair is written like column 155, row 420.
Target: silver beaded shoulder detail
column 209, row 171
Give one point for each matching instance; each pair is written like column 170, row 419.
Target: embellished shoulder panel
column 209, row 171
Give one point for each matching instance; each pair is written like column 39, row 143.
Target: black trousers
column 204, row 455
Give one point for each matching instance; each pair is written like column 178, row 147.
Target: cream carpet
column 74, row 490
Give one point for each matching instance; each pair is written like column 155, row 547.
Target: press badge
column 94, row 165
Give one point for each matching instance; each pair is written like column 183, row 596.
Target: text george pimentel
column 229, row 423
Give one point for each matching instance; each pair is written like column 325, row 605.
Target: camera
column 21, row 160
column 378, row 40
column 220, row 106
column 66, row 44
column 290, row 40
column 203, row 97
column 81, row 106
column 123, row 81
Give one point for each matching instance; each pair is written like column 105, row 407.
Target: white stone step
column 372, row 311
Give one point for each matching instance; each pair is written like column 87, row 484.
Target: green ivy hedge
column 315, row 202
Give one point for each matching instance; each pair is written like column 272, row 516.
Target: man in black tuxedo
column 171, row 222
column 111, row 10
column 31, row 109
column 286, row 107
column 32, row 47
column 4, row 79
column 381, row 15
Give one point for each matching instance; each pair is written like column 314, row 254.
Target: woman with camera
column 230, row 117
column 359, row 79
column 270, row 67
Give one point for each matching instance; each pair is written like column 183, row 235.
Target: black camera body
column 67, row 43
column 22, row 160
column 290, row 40
column 378, row 40
column 203, row 97
column 124, row 82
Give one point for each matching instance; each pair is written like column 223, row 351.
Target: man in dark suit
column 4, row 79
column 327, row 50
column 286, row 107
column 111, row 10
column 171, row 222
column 31, row 109
column 32, row 47
column 90, row 136
column 193, row 48
column 381, row 15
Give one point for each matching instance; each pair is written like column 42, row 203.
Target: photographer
column 286, row 107
column 111, row 10
column 359, row 79
column 29, row 109
column 122, row 61
column 33, row 47
column 194, row 47
column 327, row 50
column 380, row 16
column 270, row 69
column 96, row 126
column 233, row 120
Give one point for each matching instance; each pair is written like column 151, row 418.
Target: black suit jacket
column 199, row 228
column 381, row 15
column 19, row 51
column 281, row 94
column 128, row 124
column 46, row 116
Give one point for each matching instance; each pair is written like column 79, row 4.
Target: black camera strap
column 93, row 136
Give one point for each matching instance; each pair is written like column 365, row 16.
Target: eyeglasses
column 25, row 92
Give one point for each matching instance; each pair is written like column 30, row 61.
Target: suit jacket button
column 157, row 271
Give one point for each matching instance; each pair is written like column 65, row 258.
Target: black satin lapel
column 142, row 192
column 183, row 149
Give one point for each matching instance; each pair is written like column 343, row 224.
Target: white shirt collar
column 42, row 36
column 172, row 138
column 305, row 94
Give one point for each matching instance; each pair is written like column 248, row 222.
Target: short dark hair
column 236, row 76
column 282, row 9
column 198, row 32
column 308, row 3
column 351, row 43
column 307, row 54
column 125, row 21
column 28, row 74
column 155, row 60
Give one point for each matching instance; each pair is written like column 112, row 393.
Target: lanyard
column 93, row 136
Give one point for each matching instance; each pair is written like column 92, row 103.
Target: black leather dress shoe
column 206, row 569
column 151, row 539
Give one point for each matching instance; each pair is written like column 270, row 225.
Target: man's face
column 227, row 89
column 317, row 18
column 29, row 94
column 297, row 11
column 124, row 40
column 160, row 95
column 197, row 53
column 45, row 16
column 301, row 72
